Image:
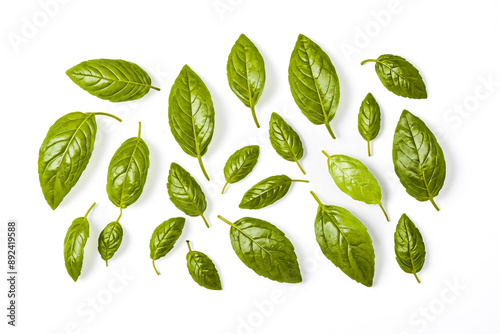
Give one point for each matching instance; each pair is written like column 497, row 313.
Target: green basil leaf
column 110, row 240
column 266, row 192
column 246, row 73
column 345, row 241
column 127, row 172
column 74, row 244
column 164, row 237
column 114, row 80
column 240, row 164
column 399, row 76
column 185, row 192
column 369, row 119
column 202, row 270
column 191, row 114
column 285, row 140
column 409, row 246
column 418, row 159
column 65, row 153
column 314, row 82
column 355, row 180
column 265, row 249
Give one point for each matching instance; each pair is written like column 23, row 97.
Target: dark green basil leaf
column 127, row 172
column 369, row 119
column 240, row 164
column 202, row 270
column 191, row 114
column 114, row 80
column 164, row 238
column 314, row 82
column 399, row 76
column 266, row 192
column 246, row 73
column 74, row 244
column 265, row 249
column 285, row 140
column 409, row 246
column 418, row 158
column 110, row 240
column 185, row 192
column 354, row 179
column 65, row 153
column 345, row 241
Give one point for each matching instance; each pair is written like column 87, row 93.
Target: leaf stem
column 330, row 131
column 206, row 223
column 325, row 153
column 139, row 134
column 203, row 167
column 158, row 89
column 300, row 181
column 225, row 220
column 415, row 274
column 189, row 246
column 224, row 188
column 316, row 198
column 434, row 203
column 383, row 210
column 88, row 211
column 120, row 215
column 369, row 152
column 252, row 108
column 298, row 163
column 154, row 266
column 106, row 263
column 106, row 114
column 368, row 60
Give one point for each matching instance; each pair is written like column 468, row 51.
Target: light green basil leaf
column 164, row 237
column 285, row 140
column 369, row 119
column 409, row 246
column 110, row 240
column 240, row 164
column 202, row 270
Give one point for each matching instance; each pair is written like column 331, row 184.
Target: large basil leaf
column 418, row 158
column 399, row 76
column 409, row 246
column 65, row 153
column 266, row 192
column 314, row 82
column 354, row 179
column 345, row 241
column 265, row 249
column 191, row 114
column 127, row 172
column 164, row 237
column 74, row 244
column 185, row 192
column 202, row 270
column 246, row 73
column 369, row 119
column 285, row 140
column 110, row 240
column 240, row 164
column 114, row 80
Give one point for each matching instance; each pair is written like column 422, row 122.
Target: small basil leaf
column 399, row 76
column 191, row 114
column 110, row 240
column 355, row 180
column 164, row 237
column 418, row 159
column 202, row 270
column 369, row 119
column 285, row 140
column 409, row 246
column 345, row 241
column 185, row 192
column 246, row 73
column 265, row 249
column 240, row 164
column 114, row 80
column 314, row 82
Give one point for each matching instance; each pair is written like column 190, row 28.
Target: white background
column 455, row 46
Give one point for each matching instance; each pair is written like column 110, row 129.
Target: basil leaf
column 110, row 240
column 127, row 172
column 65, row 153
column 418, row 159
column 266, row 192
column 399, row 76
column 74, row 244
column 355, row 180
column 265, row 249
column 369, row 119
column 246, row 73
column 345, row 241
column 191, row 114
column 114, row 80
column 164, row 237
column 314, row 82
column 202, row 270
column 240, row 164
column 185, row 192
column 285, row 140
column 409, row 246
